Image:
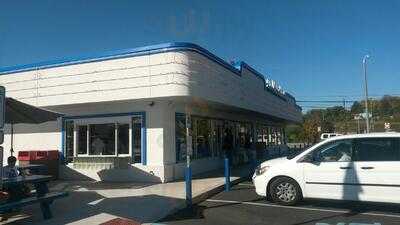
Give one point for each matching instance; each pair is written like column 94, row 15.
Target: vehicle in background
column 359, row 167
column 328, row 135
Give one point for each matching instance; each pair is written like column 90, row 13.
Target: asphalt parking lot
column 241, row 206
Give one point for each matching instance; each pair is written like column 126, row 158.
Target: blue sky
column 312, row 48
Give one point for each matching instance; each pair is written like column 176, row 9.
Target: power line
column 326, row 101
column 345, row 95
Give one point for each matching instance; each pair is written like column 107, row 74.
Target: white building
column 125, row 111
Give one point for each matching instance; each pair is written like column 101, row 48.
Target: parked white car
column 362, row 167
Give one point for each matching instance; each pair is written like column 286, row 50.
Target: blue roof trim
column 146, row 50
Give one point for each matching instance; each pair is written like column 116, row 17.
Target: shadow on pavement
column 82, row 205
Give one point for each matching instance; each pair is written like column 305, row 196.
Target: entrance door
column 331, row 174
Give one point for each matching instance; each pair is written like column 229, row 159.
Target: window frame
column 88, row 123
column 118, row 119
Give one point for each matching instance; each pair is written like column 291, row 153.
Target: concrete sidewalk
column 95, row 203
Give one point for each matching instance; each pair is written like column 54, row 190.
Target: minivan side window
column 376, row 149
column 335, row 151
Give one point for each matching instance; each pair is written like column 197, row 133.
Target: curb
column 202, row 197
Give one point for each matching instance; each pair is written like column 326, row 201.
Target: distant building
column 125, row 111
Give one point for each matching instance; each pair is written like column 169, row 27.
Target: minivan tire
column 285, row 191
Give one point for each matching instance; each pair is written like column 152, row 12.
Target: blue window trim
column 143, row 129
column 236, row 68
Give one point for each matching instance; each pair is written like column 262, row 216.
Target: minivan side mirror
column 309, row 158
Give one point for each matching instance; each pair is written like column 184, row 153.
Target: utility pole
column 345, row 115
column 371, row 110
column 366, row 91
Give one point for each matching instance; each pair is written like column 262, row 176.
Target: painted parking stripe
column 300, row 208
column 96, row 201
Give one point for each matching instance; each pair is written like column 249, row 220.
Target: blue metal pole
column 188, row 181
column 253, row 163
column 227, row 175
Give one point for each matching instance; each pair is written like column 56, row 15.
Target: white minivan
column 362, row 167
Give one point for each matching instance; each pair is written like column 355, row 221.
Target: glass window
column 376, row 149
column 203, row 138
column 102, row 139
column 216, row 126
column 137, row 139
column 82, row 140
column 123, row 139
column 263, row 134
column 245, row 135
column 180, row 137
column 337, row 151
column 110, row 139
column 69, row 141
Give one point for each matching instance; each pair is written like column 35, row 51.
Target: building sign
column 274, row 86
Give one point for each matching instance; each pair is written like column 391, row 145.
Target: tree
column 357, row 108
column 310, row 129
column 385, row 106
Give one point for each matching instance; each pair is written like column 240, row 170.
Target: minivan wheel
column 285, row 191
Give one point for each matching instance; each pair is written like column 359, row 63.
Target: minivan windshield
column 293, row 154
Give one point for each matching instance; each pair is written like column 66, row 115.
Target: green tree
column 357, row 108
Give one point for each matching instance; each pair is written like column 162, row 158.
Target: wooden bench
column 44, row 200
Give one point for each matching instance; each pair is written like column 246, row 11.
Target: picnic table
column 36, row 168
column 36, row 180
column 43, row 196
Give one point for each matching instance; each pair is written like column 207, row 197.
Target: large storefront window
column 102, row 139
column 217, row 137
column 207, row 135
column 115, row 137
column 212, row 137
column 245, row 138
column 263, row 134
column 270, row 135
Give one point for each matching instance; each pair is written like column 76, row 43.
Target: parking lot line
column 300, row 208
